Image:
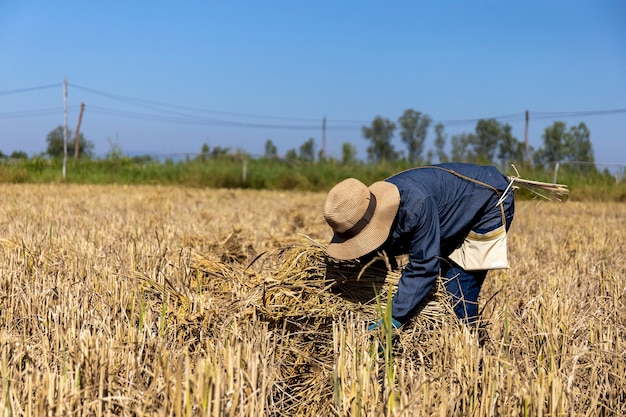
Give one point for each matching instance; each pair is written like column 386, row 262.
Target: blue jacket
column 437, row 210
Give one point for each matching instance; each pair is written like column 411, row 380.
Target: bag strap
column 501, row 196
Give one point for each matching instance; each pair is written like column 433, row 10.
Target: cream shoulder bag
column 483, row 251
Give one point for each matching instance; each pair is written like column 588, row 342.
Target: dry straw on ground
column 180, row 302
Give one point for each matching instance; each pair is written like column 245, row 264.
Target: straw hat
column 360, row 217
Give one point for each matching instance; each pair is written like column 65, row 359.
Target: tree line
column 492, row 142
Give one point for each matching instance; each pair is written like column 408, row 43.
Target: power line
column 155, row 105
column 202, row 120
column 33, row 113
column 587, row 113
column 181, row 114
column 25, row 90
column 534, row 115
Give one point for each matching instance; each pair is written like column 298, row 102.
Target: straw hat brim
column 375, row 233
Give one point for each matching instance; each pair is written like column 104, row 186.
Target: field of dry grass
column 191, row 302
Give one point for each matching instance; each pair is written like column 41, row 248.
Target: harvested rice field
column 164, row 301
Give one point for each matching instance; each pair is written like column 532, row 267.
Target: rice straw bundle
column 547, row 190
column 301, row 285
column 300, row 294
column 299, row 282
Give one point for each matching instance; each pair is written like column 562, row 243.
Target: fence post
column 556, row 171
column 244, row 173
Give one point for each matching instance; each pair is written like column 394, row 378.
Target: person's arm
column 422, row 269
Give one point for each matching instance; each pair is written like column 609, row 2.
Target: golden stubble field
column 190, row 302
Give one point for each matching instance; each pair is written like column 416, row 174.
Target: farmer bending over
column 451, row 219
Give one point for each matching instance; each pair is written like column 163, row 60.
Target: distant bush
column 234, row 171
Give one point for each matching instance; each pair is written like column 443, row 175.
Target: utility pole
column 526, row 141
column 323, row 138
column 64, row 124
column 77, row 135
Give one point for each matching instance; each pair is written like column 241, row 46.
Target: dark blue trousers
column 464, row 286
column 464, row 289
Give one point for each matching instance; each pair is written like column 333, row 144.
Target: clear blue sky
column 162, row 77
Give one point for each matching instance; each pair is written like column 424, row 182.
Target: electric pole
column 526, row 141
column 323, row 156
column 77, row 135
column 64, row 124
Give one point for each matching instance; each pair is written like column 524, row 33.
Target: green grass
column 235, row 172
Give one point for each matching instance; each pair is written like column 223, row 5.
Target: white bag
column 483, row 251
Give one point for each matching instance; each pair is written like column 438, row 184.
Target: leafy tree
column 552, row 149
column 380, row 134
column 562, row 145
column 510, row 150
column 440, row 143
column 484, row 146
column 271, row 152
column 414, row 129
column 55, row 144
column 348, row 153
column 291, row 155
column 218, row 151
column 430, row 155
column 307, row 150
column 205, row 152
column 460, row 147
column 19, row 155
column 578, row 145
column 480, row 147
